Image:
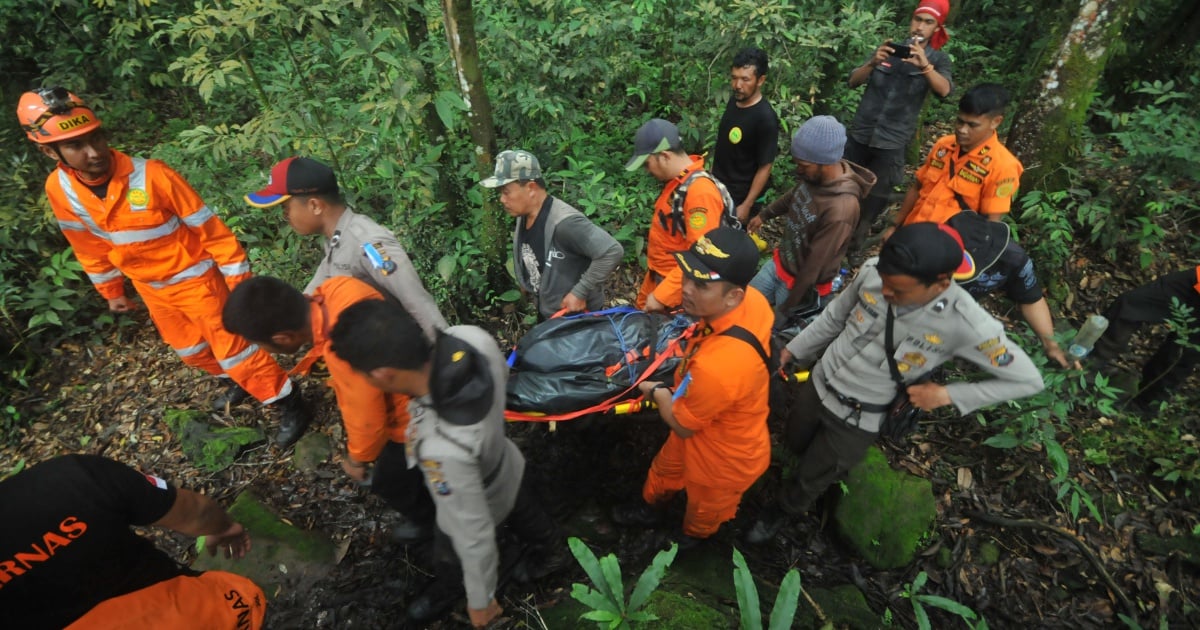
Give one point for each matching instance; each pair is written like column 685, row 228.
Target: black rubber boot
column 640, row 514
column 294, row 418
column 232, row 396
column 440, row 596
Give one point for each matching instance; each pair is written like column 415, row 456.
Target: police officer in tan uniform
column 355, row 245
column 456, row 436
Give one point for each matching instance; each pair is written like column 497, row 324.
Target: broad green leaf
column 946, row 604
column 446, row 266
column 611, row 570
column 785, row 602
column 1002, row 440
column 583, row 554
column 921, row 615
column 747, row 593
column 651, row 577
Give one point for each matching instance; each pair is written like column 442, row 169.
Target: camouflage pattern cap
column 513, row 166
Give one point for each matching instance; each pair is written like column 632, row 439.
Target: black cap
column 460, row 384
column 925, row 250
column 725, row 253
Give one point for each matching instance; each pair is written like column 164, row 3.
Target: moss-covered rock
column 311, row 451
column 683, row 611
column 281, row 556
column 211, row 448
column 989, row 553
column 844, row 606
column 886, row 513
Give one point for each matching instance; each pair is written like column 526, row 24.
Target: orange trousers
column 707, row 506
column 188, row 317
column 213, row 600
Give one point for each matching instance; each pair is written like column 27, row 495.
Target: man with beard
column 748, row 135
column 821, row 212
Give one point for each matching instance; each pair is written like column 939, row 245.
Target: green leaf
column 747, row 593
column 651, row 577
column 199, row 544
column 785, row 602
column 446, row 266
column 921, row 615
column 1058, row 458
column 1002, row 440
column 511, row 295
column 583, row 554
column 613, row 583
column 946, row 604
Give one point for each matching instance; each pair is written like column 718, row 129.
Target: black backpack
column 678, row 222
column 779, row 395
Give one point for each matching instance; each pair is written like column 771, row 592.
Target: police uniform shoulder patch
column 437, row 480
column 933, row 338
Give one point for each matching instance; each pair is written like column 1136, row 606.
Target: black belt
column 857, row 405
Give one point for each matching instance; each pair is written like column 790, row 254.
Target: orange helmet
column 52, row 114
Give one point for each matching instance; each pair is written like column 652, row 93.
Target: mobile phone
column 902, row 51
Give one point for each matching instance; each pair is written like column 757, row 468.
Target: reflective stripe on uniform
column 229, row 363
column 235, row 269
column 195, row 271
column 199, row 217
column 71, row 225
column 101, row 278
column 137, row 181
column 129, row 237
column 64, row 180
column 191, row 350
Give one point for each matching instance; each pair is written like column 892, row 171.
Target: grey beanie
column 819, row 140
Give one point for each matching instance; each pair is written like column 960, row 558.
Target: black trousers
column 527, row 520
column 1150, row 303
column 402, row 487
column 827, row 447
column 888, row 167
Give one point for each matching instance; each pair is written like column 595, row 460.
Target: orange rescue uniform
column 725, row 404
column 372, row 417
column 987, row 178
column 214, row 599
column 702, row 210
column 154, row 229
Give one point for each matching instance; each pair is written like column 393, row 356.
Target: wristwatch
column 658, row 387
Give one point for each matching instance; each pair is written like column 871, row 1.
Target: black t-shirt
column 65, row 542
column 1014, row 272
column 747, row 138
column 532, row 241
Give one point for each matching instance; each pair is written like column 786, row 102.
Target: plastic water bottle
column 840, row 279
column 1088, row 334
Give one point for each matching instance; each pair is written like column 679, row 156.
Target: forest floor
column 109, row 398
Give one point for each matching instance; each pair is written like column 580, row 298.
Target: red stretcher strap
column 668, row 352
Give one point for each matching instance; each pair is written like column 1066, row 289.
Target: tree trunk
column 464, row 49
column 416, row 25
column 1046, row 132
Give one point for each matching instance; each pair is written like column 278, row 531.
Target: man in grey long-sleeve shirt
column 559, row 255
column 851, row 385
column 456, row 435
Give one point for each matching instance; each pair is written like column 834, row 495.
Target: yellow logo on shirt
column 137, row 197
column 735, row 135
column 1005, row 189
column 698, row 220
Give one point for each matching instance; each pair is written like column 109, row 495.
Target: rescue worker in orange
column 657, row 145
column 280, row 318
column 138, row 218
column 967, row 170
column 69, row 557
column 717, row 407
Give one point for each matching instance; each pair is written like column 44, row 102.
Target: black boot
column 438, row 597
column 767, row 527
column 640, row 514
column 294, row 418
column 231, row 397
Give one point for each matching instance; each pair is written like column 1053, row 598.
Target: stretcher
column 572, row 366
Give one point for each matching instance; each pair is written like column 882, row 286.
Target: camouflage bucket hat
column 513, row 166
